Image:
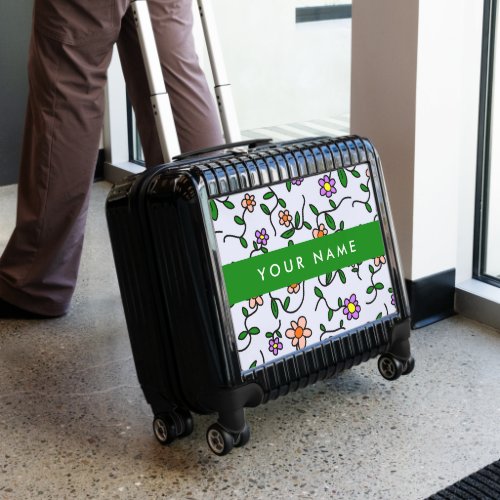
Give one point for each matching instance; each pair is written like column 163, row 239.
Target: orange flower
column 320, row 232
column 379, row 260
column 294, row 288
column 299, row 333
column 248, row 202
column 285, row 218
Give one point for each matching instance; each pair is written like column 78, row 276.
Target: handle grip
column 251, row 143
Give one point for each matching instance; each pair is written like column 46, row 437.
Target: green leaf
column 286, row 304
column 307, row 225
column 269, row 335
column 379, row 286
column 264, row 249
column 243, row 242
column 330, row 222
column 268, row 195
column 314, row 210
column 274, row 308
column 318, row 292
column 322, row 327
column 355, row 173
column 333, row 204
column 214, row 211
column 288, row 234
column 265, row 209
column 342, row 225
column 239, row 220
column 330, row 314
column 389, row 290
column 342, row 177
column 278, row 333
column 370, row 289
column 329, row 278
column 364, row 188
column 297, row 219
column 339, row 302
column 282, row 202
column 368, row 207
column 342, row 276
column 228, row 204
column 255, row 246
column 290, row 243
column 379, row 316
column 244, row 310
column 288, row 186
column 370, row 267
column 253, row 365
column 254, row 330
column 243, row 335
column 341, row 323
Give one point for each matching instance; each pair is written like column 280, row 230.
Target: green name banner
column 281, row 268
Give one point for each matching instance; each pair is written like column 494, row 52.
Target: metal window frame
column 484, row 146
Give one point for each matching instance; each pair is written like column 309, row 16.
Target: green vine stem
column 285, row 304
column 337, row 206
column 269, row 212
column 249, row 335
column 331, row 331
column 365, row 203
column 374, row 285
column 242, row 218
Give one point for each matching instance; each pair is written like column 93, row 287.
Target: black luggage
column 255, row 272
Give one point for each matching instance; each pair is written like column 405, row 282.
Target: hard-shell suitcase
column 253, row 273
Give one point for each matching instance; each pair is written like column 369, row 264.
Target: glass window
column 289, row 64
column 487, row 237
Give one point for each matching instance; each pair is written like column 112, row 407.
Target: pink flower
column 320, row 232
column 248, row 202
column 294, row 288
column 299, row 333
column 255, row 302
column 285, row 218
column 379, row 261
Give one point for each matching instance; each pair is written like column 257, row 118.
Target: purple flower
column 352, row 308
column 298, row 182
column 275, row 345
column 262, row 236
column 327, row 186
column 393, row 300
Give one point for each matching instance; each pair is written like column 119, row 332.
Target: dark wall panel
column 15, row 25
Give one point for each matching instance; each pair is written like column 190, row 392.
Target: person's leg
column 195, row 113
column 70, row 51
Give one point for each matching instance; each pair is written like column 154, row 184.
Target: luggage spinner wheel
column 390, row 367
column 221, row 442
column 169, row 426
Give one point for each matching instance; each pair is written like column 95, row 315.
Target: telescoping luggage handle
column 158, row 93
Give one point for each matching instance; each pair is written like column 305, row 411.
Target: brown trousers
column 71, row 47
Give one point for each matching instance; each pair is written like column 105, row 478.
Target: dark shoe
column 10, row 311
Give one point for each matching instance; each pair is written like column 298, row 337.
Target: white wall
column 421, row 109
column 448, row 74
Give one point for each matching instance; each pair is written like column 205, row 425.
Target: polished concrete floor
column 74, row 424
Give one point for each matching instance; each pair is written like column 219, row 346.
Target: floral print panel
column 303, row 261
